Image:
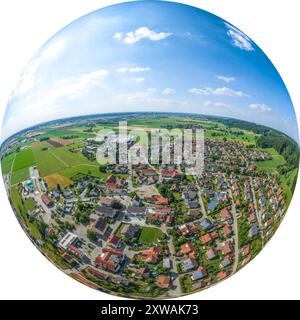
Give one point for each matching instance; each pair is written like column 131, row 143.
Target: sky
column 150, row 56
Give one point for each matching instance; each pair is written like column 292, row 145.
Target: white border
column 24, row 27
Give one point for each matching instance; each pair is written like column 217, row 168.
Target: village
column 153, row 231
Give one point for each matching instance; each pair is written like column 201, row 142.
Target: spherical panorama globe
column 150, row 150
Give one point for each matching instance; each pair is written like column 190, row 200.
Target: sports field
column 150, row 235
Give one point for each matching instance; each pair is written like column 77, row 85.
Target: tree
column 92, row 235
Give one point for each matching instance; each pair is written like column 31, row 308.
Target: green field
column 270, row 165
column 19, row 176
column 24, row 159
column 91, row 170
column 150, row 235
column 46, row 162
column 6, row 163
column 64, row 133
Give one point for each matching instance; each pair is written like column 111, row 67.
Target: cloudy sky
column 150, row 56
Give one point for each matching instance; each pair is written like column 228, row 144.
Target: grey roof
column 105, row 211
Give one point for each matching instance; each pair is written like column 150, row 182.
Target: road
column 257, row 213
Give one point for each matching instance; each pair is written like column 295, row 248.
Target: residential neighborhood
column 143, row 230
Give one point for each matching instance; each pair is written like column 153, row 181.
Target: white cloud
column 27, row 78
column 216, row 104
column 239, row 39
column 118, row 36
column 141, row 33
column 168, row 91
column 133, row 69
column 226, row 79
column 261, row 107
column 72, row 87
column 139, row 79
column 152, row 90
column 224, row 91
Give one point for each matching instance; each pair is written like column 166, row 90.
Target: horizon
column 166, row 62
column 149, row 113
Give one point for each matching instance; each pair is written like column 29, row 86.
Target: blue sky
column 150, row 56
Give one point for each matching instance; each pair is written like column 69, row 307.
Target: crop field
column 24, row 159
column 19, row 176
column 69, row 158
column 91, row 170
column 56, row 179
column 6, row 163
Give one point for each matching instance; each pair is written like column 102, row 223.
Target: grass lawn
column 150, row 235
column 270, row 165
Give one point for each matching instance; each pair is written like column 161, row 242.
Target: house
column 114, row 241
column 164, row 282
column 199, row 274
column 225, row 262
column 157, row 199
column 170, row 174
column 205, row 238
column 226, row 230
column 189, row 195
column 188, row 249
column 169, row 220
column 105, row 211
column 226, row 247
column 195, row 213
column 184, row 230
column 111, row 179
column 167, row 263
column 105, row 201
column 191, row 204
column 131, row 231
column 151, row 255
column 47, row 201
column 252, row 218
column 110, row 259
column 143, row 273
column 69, row 239
column 211, row 254
column 189, row 264
column 100, row 226
column 136, row 211
column 214, row 235
column 98, row 274
column 254, row 230
column 225, row 214
column 245, row 250
column 206, row 224
column 222, row 275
